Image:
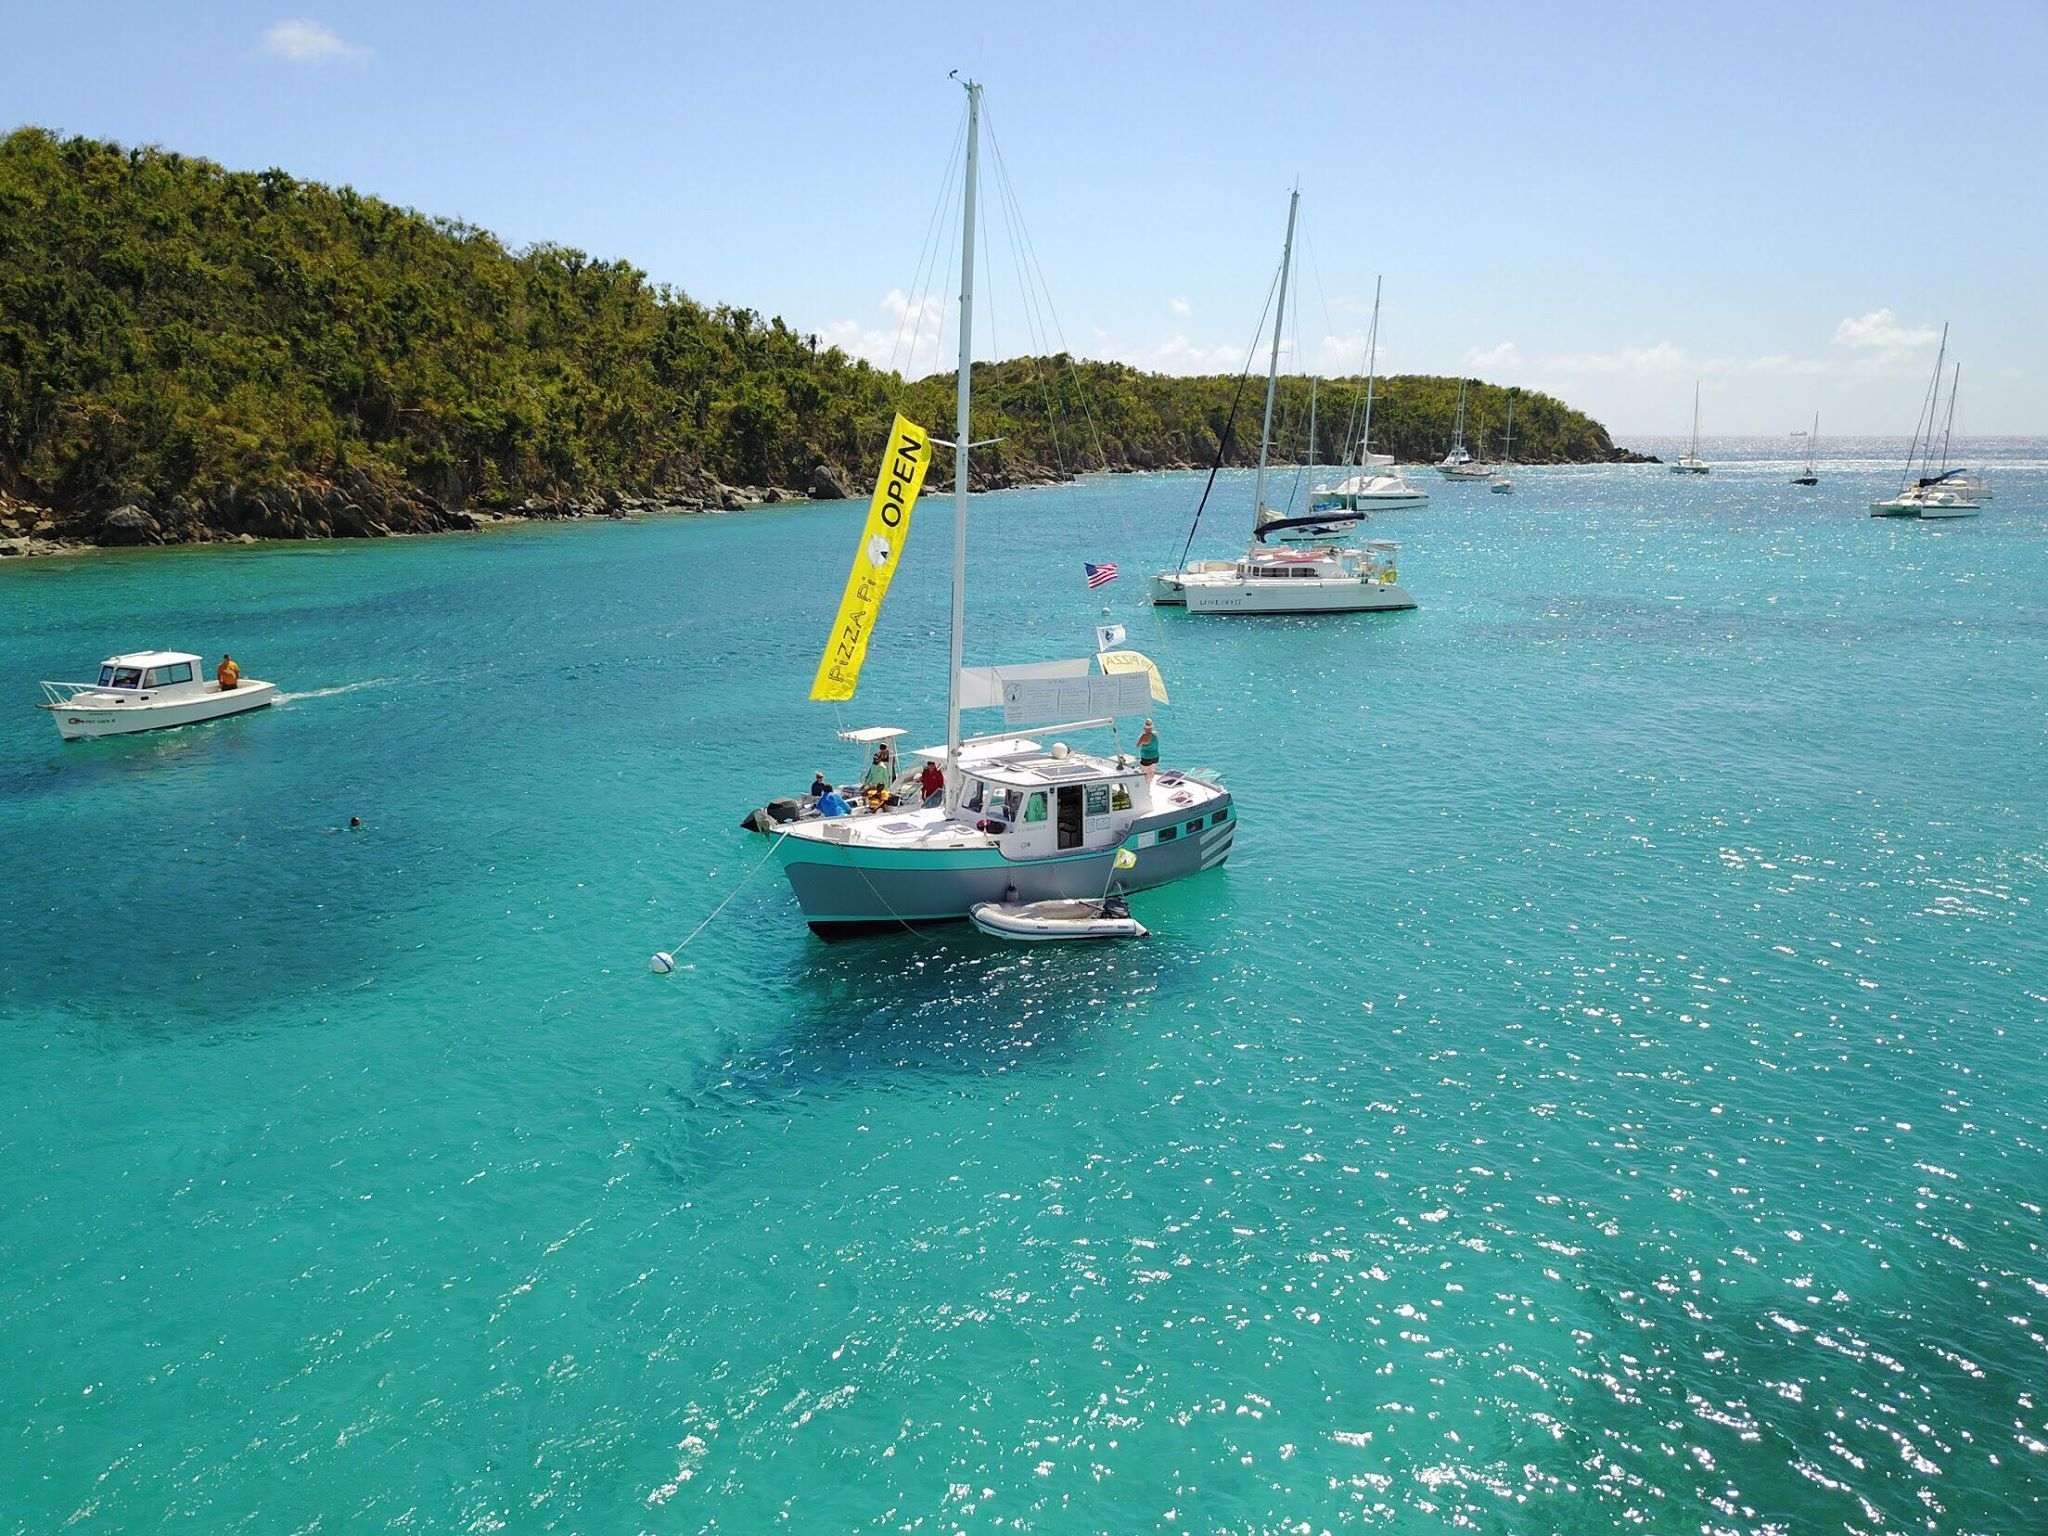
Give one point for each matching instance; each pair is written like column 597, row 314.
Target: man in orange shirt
column 229, row 674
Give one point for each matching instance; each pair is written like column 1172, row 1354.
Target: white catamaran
column 1019, row 820
column 1931, row 492
column 1323, row 578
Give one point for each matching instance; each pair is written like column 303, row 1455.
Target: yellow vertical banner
column 874, row 562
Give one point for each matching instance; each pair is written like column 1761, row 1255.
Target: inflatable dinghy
column 1109, row 918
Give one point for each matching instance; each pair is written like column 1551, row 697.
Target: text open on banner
column 874, row 562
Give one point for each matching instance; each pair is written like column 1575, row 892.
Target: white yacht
column 1378, row 486
column 1323, row 578
column 149, row 691
column 1690, row 462
column 1021, row 820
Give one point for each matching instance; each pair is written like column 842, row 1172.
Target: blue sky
column 1605, row 202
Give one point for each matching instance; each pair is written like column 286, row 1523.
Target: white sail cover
column 982, row 687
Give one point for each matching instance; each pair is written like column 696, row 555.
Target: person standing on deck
column 228, row 674
column 1148, row 751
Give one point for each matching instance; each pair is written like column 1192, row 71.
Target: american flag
column 1098, row 575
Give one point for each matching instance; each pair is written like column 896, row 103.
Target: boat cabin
column 1044, row 800
column 144, row 673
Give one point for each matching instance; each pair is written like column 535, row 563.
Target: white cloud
column 1504, row 358
column 1880, row 330
column 909, row 341
column 308, row 42
column 1180, row 306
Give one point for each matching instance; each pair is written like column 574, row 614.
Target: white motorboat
column 1690, row 462
column 1325, row 578
column 1036, row 921
column 1378, row 486
column 1019, row 821
column 1934, row 491
column 149, row 691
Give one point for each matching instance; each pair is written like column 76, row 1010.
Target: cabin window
column 1167, row 834
column 971, row 800
column 106, row 677
column 127, row 677
column 1034, row 808
column 157, row 677
column 1120, row 798
column 1098, row 799
column 1194, row 826
column 1220, row 817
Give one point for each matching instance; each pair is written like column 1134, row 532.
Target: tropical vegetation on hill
column 212, row 351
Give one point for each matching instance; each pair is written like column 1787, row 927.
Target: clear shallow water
column 1604, row 1091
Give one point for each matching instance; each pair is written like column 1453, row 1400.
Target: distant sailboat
column 1502, row 484
column 1806, row 476
column 1690, row 462
column 1459, row 464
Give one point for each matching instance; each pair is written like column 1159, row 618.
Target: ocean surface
column 1605, row 1090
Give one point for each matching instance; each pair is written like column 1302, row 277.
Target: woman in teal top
column 1148, row 751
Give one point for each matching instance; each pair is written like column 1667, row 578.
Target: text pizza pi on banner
column 874, row 562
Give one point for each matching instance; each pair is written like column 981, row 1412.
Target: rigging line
column 1223, row 440
column 1034, row 323
column 1080, row 388
column 916, row 297
column 773, row 839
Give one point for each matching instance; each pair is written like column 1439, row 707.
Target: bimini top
column 147, row 659
column 1321, row 520
column 868, row 735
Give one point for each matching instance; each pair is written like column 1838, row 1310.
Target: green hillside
column 217, row 352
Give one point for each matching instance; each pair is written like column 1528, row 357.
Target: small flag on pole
column 1108, row 636
column 1098, row 575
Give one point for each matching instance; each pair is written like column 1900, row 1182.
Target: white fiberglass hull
column 1301, row 595
column 1690, row 467
column 92, row 714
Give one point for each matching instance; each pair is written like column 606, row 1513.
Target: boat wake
column 328, row 693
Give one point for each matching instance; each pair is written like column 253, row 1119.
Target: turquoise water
column 1605, row 1090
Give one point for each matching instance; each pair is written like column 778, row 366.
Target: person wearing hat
column 1148, row 750
column 819, row 783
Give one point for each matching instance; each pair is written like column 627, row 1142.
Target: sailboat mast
column 1955, row 379
column 1312, row 385
column 1695, row 420
column 1372, row 350
column 1273, row 365
column 1812, row 438
column 1927, row 410
column 962, row 393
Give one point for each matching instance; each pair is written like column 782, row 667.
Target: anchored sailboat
column 1502, row 484
column 1378, row 486
column 1016, row 821
column 1806, row 476
column 1690, row 462
column 1459, row 464
column 1930, row 492
column 1265, row 580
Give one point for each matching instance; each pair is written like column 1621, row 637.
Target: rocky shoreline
column 355, row 506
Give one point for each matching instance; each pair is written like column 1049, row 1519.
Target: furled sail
column 874, row 562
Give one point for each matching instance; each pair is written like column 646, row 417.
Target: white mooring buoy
column 662, row 963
